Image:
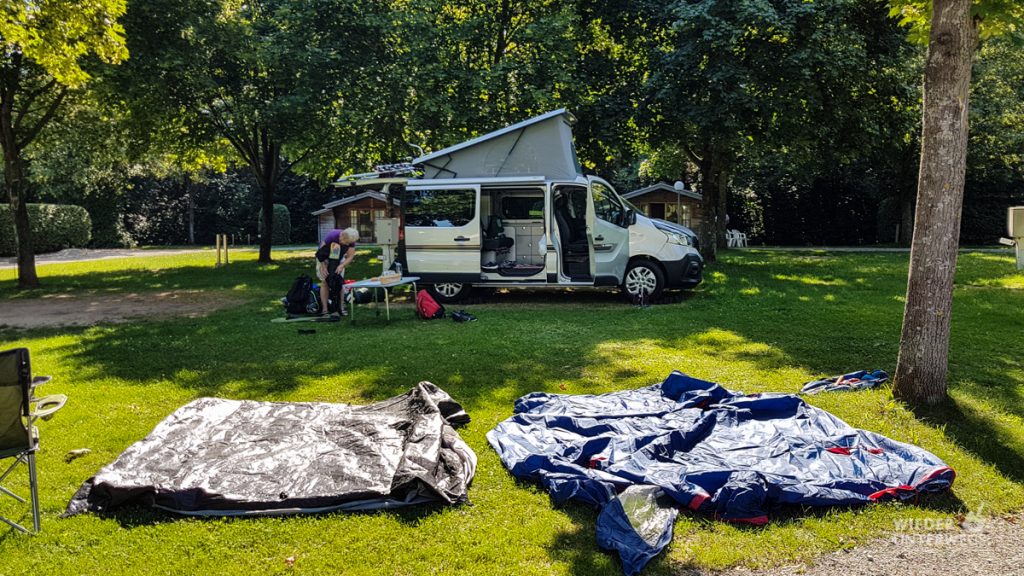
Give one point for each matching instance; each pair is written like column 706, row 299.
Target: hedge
column 54, row 227
column 282, row 233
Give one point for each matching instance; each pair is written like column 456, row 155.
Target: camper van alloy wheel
column 643, row 278
column 449, row 291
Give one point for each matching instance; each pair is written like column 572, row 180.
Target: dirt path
column 986, row 546
column 82, row 254
column 86, row 310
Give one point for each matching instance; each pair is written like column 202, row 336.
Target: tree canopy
column 798, row 120
column 272, row 78
column 46, row 45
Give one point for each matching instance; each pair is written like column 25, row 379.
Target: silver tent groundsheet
column 217, row 457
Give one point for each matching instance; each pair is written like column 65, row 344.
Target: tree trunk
column 721, row 184
column 266, row 240
column 924, row 345
column 714, row 189
column 906, row 234
column 14, row 175
column 15, row 183
column 268, row 175
column 189, row 189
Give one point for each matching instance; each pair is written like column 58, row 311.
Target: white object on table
column 405, row 280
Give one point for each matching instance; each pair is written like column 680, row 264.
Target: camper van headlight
column 681, row 239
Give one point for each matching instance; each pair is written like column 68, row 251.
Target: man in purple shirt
column 336, row 252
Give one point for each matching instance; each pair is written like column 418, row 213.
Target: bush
column 282, row 233
column 54, row 227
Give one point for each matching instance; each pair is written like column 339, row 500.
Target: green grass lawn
column 761, row 322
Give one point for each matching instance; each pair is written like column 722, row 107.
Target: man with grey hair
column 335, row 253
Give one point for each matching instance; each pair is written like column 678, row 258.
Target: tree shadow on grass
column 141, row 516
column 578, row 547
column 973, row 431
column 239, row 353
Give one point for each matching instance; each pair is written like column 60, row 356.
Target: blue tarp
column 694, row 444
column 860, row 380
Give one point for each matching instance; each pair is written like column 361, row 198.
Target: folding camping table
column 374, row 284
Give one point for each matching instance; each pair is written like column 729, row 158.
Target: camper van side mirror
column 630, row 218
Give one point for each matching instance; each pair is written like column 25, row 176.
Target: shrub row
column 54, row 227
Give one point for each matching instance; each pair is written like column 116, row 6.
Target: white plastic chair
column 730, row 238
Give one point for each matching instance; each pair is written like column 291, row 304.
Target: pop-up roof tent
column 540, row 146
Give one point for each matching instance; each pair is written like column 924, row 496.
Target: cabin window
column 679, row 214
column 362, row 222
column 656, row 210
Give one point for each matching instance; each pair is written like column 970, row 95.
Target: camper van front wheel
column 449, row 291
column 643, row 278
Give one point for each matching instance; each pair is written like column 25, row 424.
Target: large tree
column 44, row 46
column 731, row 75
column 274, row 79
column 923, row 362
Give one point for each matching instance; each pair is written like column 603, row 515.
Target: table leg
column 352, row 311
column 387, row 304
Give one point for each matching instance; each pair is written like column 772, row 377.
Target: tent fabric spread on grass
column 640, row 454
column 860, row 380
column 216, row 457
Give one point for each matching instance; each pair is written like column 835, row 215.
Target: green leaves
column 995, row 18
column 58, row 34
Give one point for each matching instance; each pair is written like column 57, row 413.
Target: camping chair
column 19, row 439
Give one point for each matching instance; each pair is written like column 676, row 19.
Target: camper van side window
column 522, row 208
column 606, row 206
column 439, row 208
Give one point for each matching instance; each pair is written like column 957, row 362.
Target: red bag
column 427, row 307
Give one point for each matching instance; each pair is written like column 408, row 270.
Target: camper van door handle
column 461, row 239
column 598, row 238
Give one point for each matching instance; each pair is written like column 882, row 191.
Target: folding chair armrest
column 48, row 405
column 37, row 381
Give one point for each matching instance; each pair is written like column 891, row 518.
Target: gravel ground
column 81, row 254
column 85, row 310
column 984, row 546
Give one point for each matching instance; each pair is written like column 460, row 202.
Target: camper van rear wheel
column 449, row 291
column 645, row 278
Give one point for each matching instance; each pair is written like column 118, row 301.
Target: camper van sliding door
column 442, row 233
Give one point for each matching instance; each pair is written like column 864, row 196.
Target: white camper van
column 513, row 209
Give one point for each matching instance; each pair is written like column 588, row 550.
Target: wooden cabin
column 358, row 210
column 662, row 201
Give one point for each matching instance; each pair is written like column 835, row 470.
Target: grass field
column 761, row 322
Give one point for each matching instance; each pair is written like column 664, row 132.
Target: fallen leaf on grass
column 76, row 454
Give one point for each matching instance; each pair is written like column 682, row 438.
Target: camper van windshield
column 439, row 208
